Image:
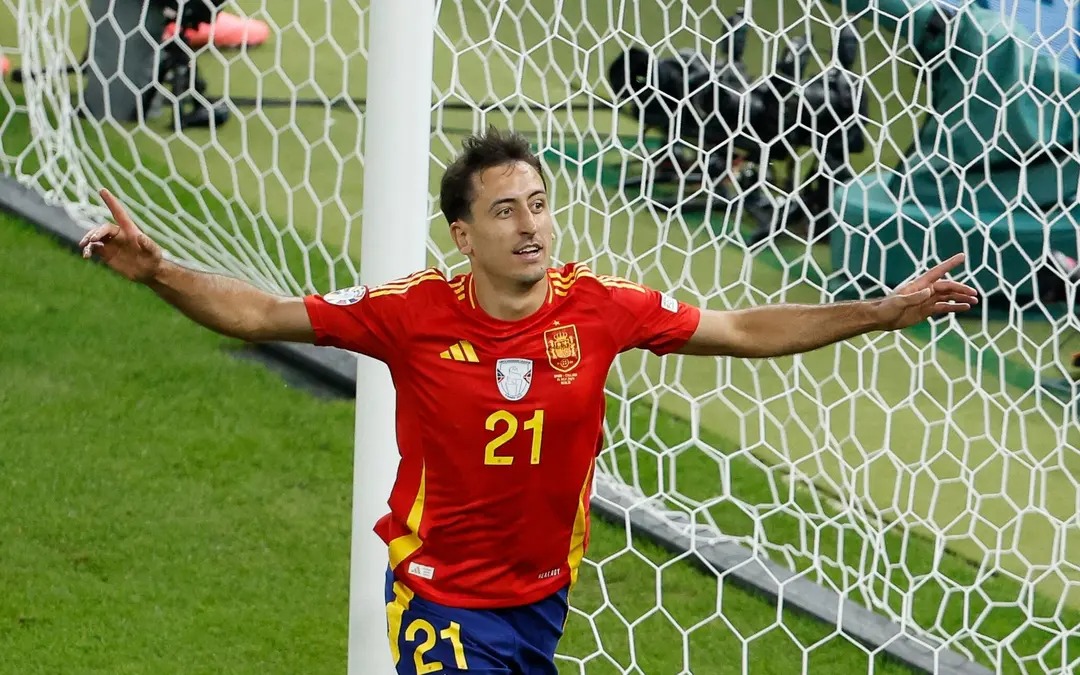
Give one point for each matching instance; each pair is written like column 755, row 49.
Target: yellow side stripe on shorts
column 395, row 610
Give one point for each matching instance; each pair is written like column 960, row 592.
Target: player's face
column 510, row 235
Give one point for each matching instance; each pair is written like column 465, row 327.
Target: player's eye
column 538, row 205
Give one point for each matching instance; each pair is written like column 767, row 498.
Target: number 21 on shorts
column 421, row 636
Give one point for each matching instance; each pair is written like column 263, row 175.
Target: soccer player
column 500, row 378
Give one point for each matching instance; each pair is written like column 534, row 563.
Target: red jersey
column 498, row 422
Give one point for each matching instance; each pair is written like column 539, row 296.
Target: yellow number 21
column 453, row 634
column 535, row 424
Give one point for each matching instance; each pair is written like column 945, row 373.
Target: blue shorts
column 426, row 637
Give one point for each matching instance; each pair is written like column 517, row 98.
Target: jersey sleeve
column 358, row 320
column 648, row 319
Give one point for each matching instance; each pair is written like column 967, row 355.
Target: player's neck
column 508, row 301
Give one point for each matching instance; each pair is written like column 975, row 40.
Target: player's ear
column 459, row 231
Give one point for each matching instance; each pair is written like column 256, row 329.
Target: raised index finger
column 943, row 268
column 119, row 214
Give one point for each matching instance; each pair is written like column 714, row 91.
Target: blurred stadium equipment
column 131, row 76
column 224, row 31
column 994, row 175
column 746, row 137
column 177, row 67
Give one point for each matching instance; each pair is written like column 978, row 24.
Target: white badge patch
column 669, row 303
column 513, row 377
column 346, row 296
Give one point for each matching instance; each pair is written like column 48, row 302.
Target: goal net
column 733, row 155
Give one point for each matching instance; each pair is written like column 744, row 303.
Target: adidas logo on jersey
column 462, row 351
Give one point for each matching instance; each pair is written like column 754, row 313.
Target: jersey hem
column 472, row 602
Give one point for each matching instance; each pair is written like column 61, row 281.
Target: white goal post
column 396, row 140
column 916, row 494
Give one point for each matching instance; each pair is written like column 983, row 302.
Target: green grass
column 171, row 508
column 168, row 507
column 941, row 434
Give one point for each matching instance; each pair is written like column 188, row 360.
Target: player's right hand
column 122, row 246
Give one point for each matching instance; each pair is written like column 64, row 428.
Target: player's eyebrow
column 511, row 200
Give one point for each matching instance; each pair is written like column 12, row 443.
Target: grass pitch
column 942, row 433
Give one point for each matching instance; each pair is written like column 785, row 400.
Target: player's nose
column 530, row 224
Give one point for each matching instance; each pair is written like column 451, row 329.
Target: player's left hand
column 928, row 295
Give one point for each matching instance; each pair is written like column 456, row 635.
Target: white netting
column 929, row 476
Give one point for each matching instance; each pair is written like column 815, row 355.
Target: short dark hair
column 479, row 153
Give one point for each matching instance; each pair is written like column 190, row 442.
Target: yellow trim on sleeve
column 399, row 287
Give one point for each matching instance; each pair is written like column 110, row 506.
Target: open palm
column 928, row 295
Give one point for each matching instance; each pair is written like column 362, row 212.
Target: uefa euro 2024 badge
column 346, row 296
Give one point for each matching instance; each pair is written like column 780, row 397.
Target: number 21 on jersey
column 507, row 425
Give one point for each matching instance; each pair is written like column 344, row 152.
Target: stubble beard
column 532, row 277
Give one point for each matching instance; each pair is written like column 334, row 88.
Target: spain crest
column 513, row 377
column 563, row 349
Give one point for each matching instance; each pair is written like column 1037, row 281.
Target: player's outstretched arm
column 779, row 330
column 222, row 304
